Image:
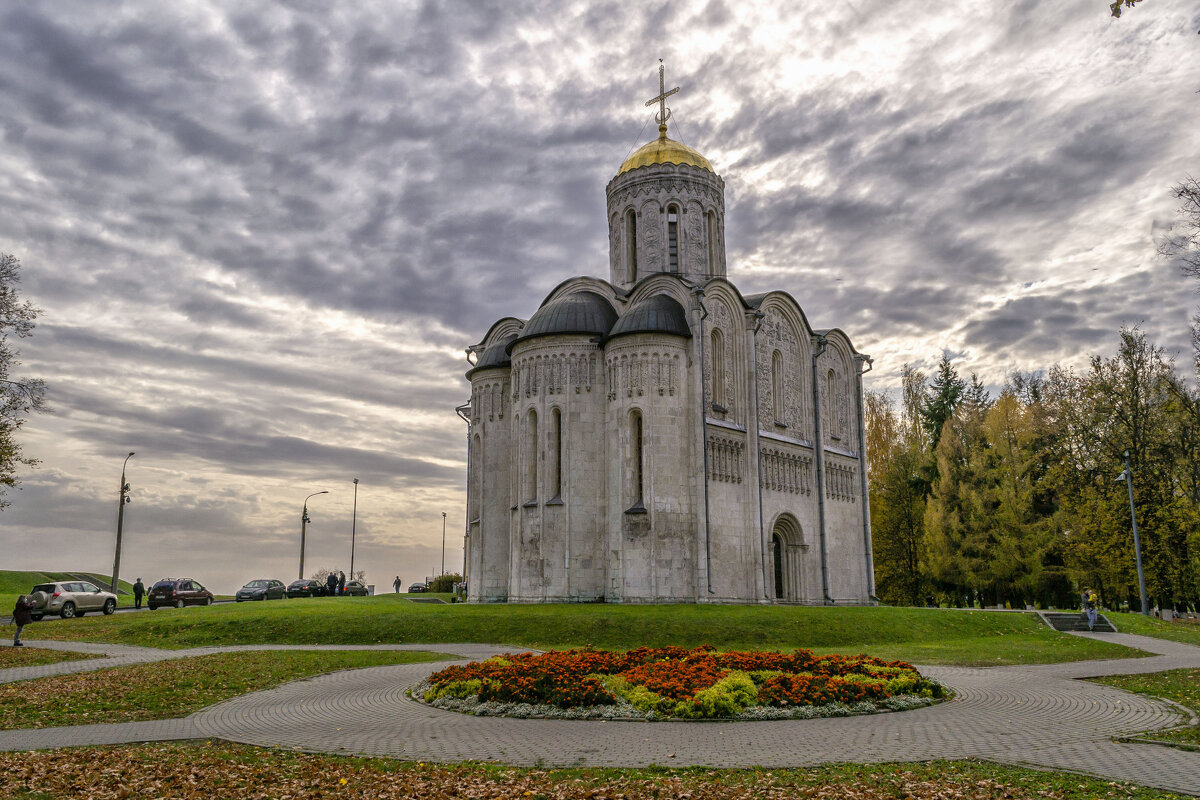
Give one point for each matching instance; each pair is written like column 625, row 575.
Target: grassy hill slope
column 921, row 635
column 14, row 583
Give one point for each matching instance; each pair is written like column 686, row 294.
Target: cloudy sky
column 262, row 233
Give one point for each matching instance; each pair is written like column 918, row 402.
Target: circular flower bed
column 666, row 682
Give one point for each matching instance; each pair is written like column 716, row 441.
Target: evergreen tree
column 944, row 394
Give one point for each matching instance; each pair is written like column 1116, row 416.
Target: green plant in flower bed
column 678, row 682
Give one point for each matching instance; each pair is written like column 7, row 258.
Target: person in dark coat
column 22, row 615
column 341, row 583
column 139, row 589
column 396, row 584
column 331, row 584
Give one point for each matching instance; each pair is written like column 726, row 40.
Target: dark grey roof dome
column 494, row 356
column 657, row 314
column 581, row 312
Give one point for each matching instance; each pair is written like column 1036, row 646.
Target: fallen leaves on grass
column 219, row 769
column 34, row 656
column 174, row 688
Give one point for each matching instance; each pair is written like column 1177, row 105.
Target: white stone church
column 659, row 437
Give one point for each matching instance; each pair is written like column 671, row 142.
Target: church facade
column 658, row 437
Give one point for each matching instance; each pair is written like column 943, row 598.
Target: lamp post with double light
column 123, row 499
column 1127, row 476
column 303, row 523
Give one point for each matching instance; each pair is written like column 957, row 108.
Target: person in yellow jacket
column 1090, row 602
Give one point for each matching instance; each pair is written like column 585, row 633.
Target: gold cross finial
column 664, row 113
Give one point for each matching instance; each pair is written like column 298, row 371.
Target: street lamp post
column 123, row 499
column 303, row 523
column 443, row 542
column 353, row 519
column 1127, row 474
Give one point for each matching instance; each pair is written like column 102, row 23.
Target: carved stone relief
column 726, row 455
column 776, row 334
column 695, row 260
column 643, row 371
column 786, row 471
column 841, row 482
column 650, row 236
column 616, row 249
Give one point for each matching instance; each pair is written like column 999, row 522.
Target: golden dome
column 664, row 151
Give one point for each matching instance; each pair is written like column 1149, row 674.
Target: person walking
column 341, row 583
column 396, row 584
column 1089, row 607
column 139, row 590
column 331, row 584
column 22, row 615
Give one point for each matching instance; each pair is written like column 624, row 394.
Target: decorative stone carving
column 650, row 369
column 651, row 256
column 841, row 482
column 726, row 455
column 695, row 258
column 786, row 470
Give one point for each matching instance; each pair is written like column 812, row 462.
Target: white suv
column 73, row 599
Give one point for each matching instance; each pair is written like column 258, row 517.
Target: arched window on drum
column 631, row 265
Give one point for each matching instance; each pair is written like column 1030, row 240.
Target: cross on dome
column 664, row 113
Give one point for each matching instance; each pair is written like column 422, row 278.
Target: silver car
column 73, row 599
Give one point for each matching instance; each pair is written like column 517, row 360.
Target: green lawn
column 221, row 769
column 1176, row 631
column 1180, row 685
column 928, row 636
column 168, row 689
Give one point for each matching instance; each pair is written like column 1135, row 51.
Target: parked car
column 417, row 588
column 73, row 599
column 306, row 588
column 355, row 588
column 261, row 589
column 178, row 592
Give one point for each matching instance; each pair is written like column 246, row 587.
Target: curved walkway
column 1040, row 716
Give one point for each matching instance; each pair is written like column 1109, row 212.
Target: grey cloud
column 210, row 200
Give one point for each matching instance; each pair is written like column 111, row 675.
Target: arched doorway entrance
column 787, row 547
column 777, row 549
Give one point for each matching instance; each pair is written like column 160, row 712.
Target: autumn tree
column 19, row 396
column 897, row 498
column 1182, row 245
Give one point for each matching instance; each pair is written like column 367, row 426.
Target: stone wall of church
column 558, row 519
column 652, row 505
column 489, row 486
column 844, row 524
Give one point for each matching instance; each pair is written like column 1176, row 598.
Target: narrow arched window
column 718, row 368
column 637, row 457
column 831, row 403
column 777, row 385
column 673, row 238
column 556, row 470
column 631, row 244
column 531, row 457
column 711, row 228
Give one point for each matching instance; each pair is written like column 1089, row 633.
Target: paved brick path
column 1037, row 715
